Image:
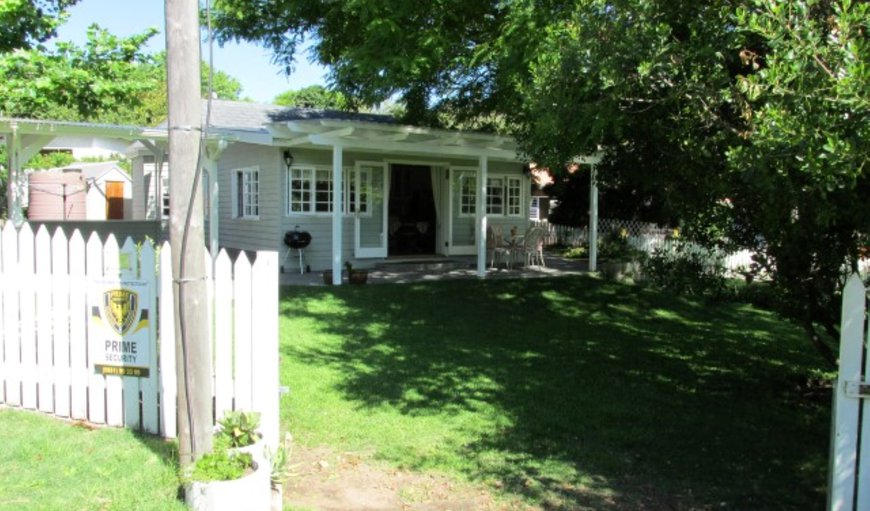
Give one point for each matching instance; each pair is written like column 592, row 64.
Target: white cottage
column 365, row 187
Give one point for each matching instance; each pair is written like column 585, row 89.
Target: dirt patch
column 324, row 480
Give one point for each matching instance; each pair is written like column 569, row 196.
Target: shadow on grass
column 605, row 396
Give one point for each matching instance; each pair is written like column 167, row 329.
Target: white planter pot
column 257, row 451
column 277, row 499
column 252, row 492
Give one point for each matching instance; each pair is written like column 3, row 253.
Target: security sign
column 119, row 308
column 119, row 330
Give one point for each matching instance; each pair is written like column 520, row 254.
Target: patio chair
column 532, row 249
column 495, row 246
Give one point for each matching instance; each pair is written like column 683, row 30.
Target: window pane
column 495, row 196
column 514, row 193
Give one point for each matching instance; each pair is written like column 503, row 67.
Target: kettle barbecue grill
column 297, row 240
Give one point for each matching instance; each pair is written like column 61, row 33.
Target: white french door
column 368, row 192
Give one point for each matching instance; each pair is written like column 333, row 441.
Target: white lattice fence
column 46, row 350
column 646, row 237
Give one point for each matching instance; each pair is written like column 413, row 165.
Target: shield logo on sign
column 119, row 309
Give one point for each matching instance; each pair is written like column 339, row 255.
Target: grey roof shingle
column 255, row 116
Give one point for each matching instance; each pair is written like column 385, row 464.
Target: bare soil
column 324, row 480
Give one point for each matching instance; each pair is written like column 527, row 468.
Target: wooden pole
column 188, row 255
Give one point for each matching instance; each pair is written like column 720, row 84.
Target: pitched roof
column 255, row 116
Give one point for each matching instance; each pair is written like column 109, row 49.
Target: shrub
column 686, row 268
column 614, row 245
column 575, row 253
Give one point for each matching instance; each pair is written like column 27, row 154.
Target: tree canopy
column 24, row 23
column 313, row 96
column 73, row 82
column 748, row 119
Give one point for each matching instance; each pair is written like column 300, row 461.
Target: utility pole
column 193, row 347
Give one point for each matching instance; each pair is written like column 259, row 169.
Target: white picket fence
column 44, row 335
column 849, row 478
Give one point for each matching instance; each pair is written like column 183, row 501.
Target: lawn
column 49, row 464
column 569, row 393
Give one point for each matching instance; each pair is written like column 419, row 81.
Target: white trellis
column 44, row 362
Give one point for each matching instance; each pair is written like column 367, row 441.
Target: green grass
column 49, row 464
column 571, row 393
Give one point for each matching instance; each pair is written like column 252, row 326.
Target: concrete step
column 417, row 264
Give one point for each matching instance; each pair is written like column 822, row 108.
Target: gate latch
column 858, row 389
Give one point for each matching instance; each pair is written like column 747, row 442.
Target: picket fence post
column 845, row 482
column 78, row 318
column 61, row 316
column 11, row 339
column 222, row 298
column 168, row 381
column 26, row 309
column 44, row 319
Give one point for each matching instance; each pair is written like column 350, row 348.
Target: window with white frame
column 495, row 196
column 514, row 192
column 247, row 182
column 503, row 195
column 300, row 182
column 322, row 191
column 467, row 194
column 311, row 190
column 358, row 191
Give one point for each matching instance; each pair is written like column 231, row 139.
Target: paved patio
column 444, row 268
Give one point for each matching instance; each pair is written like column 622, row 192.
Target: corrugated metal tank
column 57, row 195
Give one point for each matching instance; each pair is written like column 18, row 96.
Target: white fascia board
column 290, row 142
column 492, row 140
column 589, row 159
column 58, row 128
column 416, row 149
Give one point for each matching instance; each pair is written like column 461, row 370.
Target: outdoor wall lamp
column 288, row 159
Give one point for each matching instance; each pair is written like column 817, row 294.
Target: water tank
column 57, row 195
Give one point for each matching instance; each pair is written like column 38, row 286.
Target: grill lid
column 297, row 238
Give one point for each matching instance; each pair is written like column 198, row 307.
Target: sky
column 251, row 65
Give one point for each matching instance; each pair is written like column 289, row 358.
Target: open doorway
column 412, row 215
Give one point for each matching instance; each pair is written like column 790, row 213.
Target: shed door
column 367, row 200
column 114, row 200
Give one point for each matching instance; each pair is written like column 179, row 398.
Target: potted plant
column 327, row 277
column 280, row 462
column 356, row 276
column 239, row 431
column 225, row 480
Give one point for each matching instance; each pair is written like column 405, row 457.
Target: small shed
column 85, row 191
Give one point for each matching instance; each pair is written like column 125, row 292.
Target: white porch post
column 139, row 191
column 480, row 209
column 337, row 185
column 157, row 183
column 593, row 219
column 212, row 192
column 13, row 188
column 212, row 155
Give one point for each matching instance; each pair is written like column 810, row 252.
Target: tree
column 24, row 23
column 748, row 118
column 313, row 96
column 151, row 105
column 72, row 82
